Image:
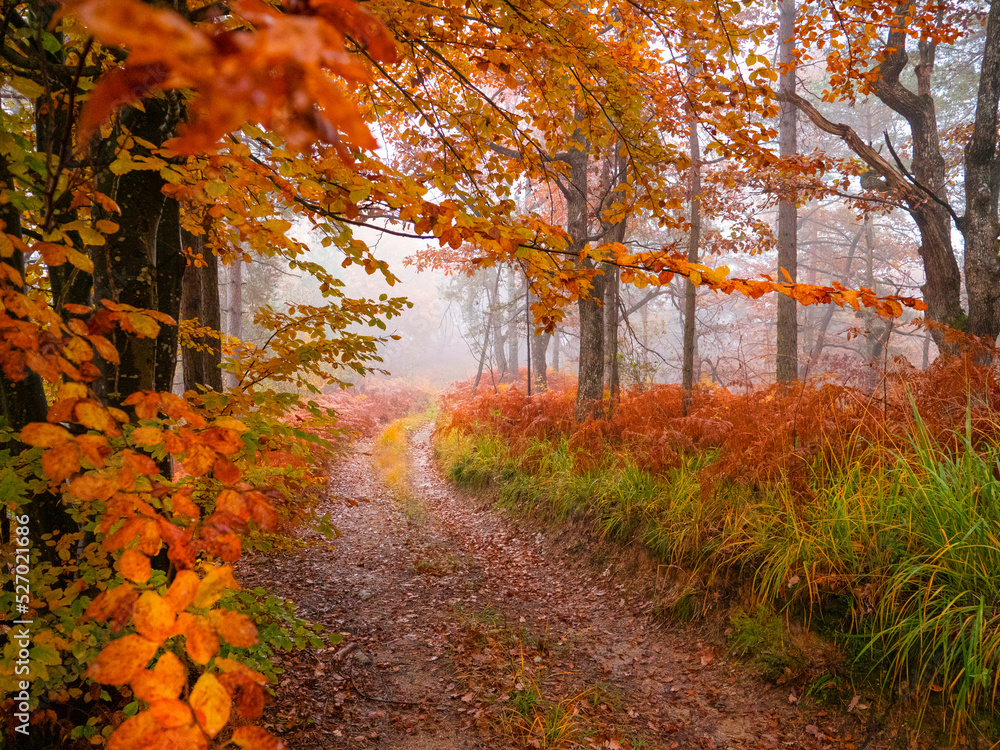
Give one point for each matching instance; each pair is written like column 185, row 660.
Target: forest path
column 470, row 632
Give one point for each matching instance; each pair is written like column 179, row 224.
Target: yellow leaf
column 211, row 704
column 214, row 586
column 147, row 436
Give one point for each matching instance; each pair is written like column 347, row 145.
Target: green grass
column 897, row 549
column 391, row 458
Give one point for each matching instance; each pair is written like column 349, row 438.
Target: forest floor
column 465, row 629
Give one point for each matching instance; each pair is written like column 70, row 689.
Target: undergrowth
column 877, row 521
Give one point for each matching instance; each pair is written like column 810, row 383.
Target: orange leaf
column 201, row 641
column 122, row 659
column 182, row 505
column 105, row 348
column 92, row 486
column 226, row 471
column 222, row 439
column 133, row 732
column 220, row 541
column 233, row 502
column 166, row 680
column 94, row 448
column 44, row 366
column 198, row 460
column 214, row 586
column 170, row 712
column 44, row 435
column 119, row 86
column 61, row 461
column 140, row 464
column 153, row 616
column 182, row 552
column 135, row 566
column 113, row 605
column 236, row 628
column 61, row 410
column 146, row 403
column 211, row 704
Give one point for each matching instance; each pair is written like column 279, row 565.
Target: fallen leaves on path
column 462, row 631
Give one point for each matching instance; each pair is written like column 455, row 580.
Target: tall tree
column 787, row 362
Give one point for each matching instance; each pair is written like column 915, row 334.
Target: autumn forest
column 454, row 374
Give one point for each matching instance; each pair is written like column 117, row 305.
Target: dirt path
column 461, row 631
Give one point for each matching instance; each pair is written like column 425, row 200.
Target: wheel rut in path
column 462, row 630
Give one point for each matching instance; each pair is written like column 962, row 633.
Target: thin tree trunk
column 234, row 317
column 539, row 348
column 787, row 365
column 487, row 328
column 499, row 360
column 612, row 298
column 513, row 342
column 694, row 244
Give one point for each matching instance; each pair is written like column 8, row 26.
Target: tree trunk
column 539, row 348
column 590, row 377
column 612, row 291
column 787, row 364
column 499, row 360
column 200, row 302
column 234, row 311
column 142, row 265
column 982, row 184
column 694, row 244
column 513, row 336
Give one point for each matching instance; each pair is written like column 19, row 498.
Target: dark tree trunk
column 23, row 401
column 787, row 364
column 200, row 302
column 142, row 265
column 982, row 185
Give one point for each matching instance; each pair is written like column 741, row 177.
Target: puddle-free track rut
column 461, row 630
